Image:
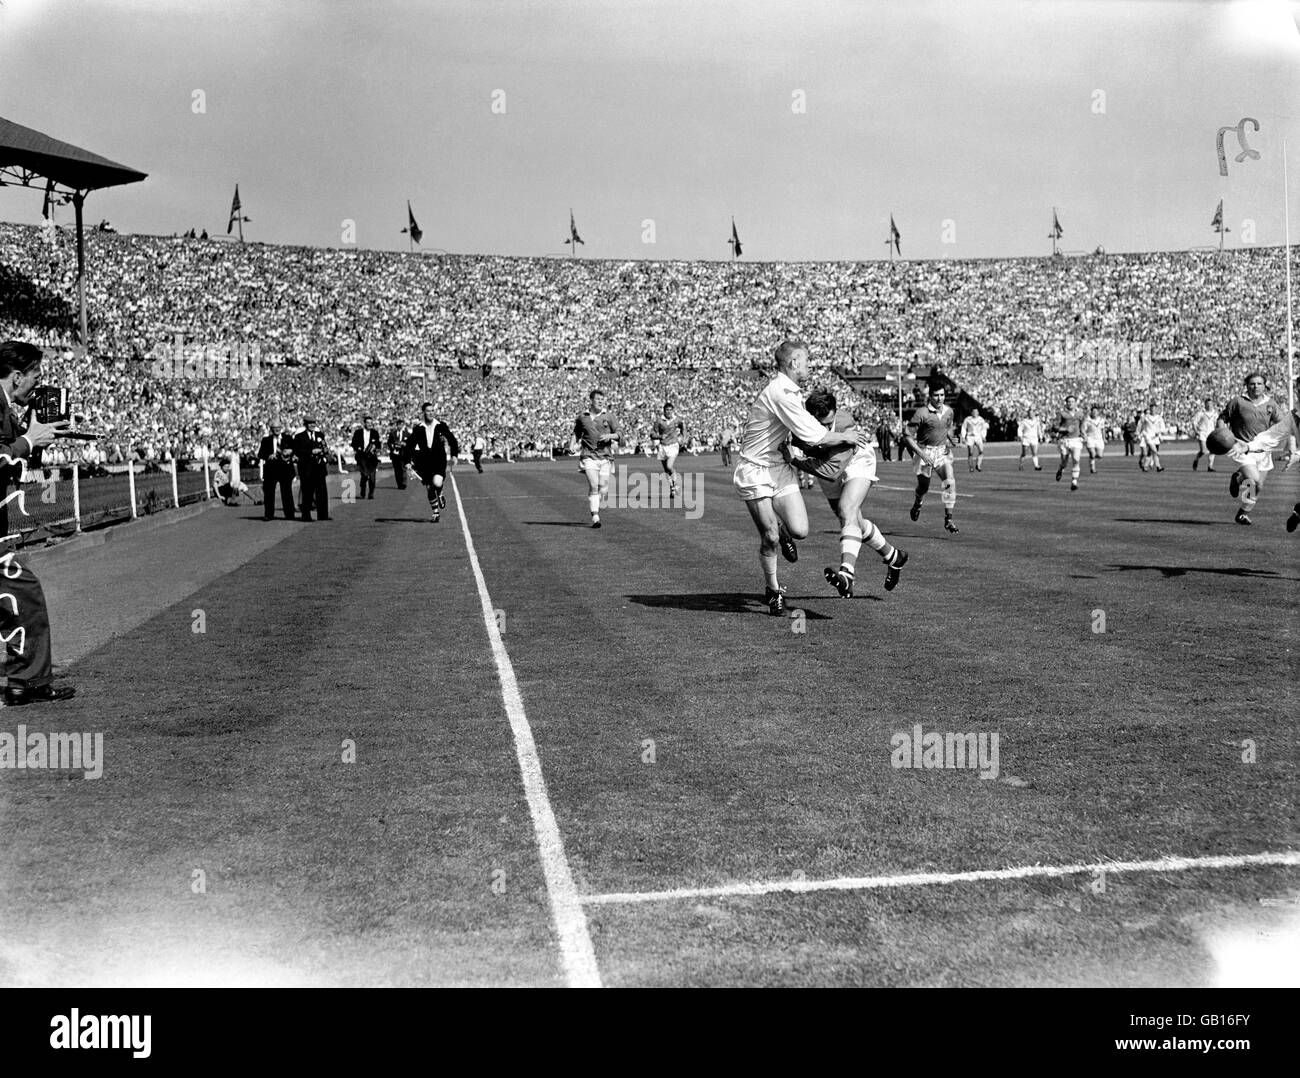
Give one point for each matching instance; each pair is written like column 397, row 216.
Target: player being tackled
column 846, row 474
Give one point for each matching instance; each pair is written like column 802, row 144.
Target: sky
column 658, row 121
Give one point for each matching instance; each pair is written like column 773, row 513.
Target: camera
column 50, row 404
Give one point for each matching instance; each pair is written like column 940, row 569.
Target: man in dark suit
column 309, row 448
column 396, row 453
column 365, row 448
column 24, row 621
column 276, row 455
column 427, row 449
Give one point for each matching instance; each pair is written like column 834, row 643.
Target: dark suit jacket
column 430, row 459
column 365, row 441
column 303, row 443
column 268, row 451
column 14, row 445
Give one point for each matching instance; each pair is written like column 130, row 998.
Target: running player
column 595, row 431
column 974, row 429
column 669, row 432
column 1151, row 428
column 766, row 483
column 1252, row 413
column 929, row 435
column 1285, row 432
column 846, row 474
column 1068, row 430
column 1203, row 422
column 1030, row 433
column 1094, row 438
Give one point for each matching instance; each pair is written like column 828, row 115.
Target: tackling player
column 1094, row 438
column 929, row 435
column 1030, row 432
column 1203, row 423
column 1068, row 428
column 595, row 431
column 846, row 474
column 669, row 432
column 1151, row 428
column 1247, row 415
column 767, row 483
column 974, row 429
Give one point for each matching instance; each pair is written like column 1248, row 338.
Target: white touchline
column 924, row 879
column 576, row 951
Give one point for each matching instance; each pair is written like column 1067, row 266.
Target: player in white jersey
column 974, row 429
column 1203, row 423
column 766, row 483
column 1030, row 432
column 1151, row 428
column 1094, row 438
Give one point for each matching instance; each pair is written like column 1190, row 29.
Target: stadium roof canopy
column 26, row 154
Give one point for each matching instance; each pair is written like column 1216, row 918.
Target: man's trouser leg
column 24, row 625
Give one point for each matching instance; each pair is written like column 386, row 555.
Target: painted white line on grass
column 912, row 490
column 576, row 951
column 925, row 879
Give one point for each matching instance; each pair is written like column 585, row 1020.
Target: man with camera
column 365, row 449
column 24, row 621
column 276, row 455
column 396, row 451
column 309, row 448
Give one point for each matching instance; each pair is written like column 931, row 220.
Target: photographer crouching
column 24, row 622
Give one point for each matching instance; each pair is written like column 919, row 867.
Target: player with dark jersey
column 1248, row 415
column 929, row 436
column 1067, row 428
column 668, row 431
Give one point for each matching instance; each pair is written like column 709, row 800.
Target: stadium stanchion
column 76, row 497
column 130, row 482
column 207, row 479
column 176, row 494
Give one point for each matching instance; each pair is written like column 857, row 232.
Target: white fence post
column 76, row 496
column 207, row 479
column 176, row 495
column 130, row 479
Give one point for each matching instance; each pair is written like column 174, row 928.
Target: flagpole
column 1222, row 218
column 1286, row 219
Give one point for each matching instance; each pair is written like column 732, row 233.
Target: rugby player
column 765, row 481
column 595, row 432
column 1068, row 429
column 929, row 435
column 669, row 432
column 1285, row 432
column 974, row 429
column 1203, row 423
column 846, row 474
column 1030, row 432
column 1151, row 428
column 1247, row 415
column 1094, row 438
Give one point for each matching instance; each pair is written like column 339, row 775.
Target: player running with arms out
column 595, row 431
column 846, row 474
column 1203, row 423
column 930, row 437
column 1094, row 438
column 1068, row 430
column 1283, row 434
column 766, row 483
column 1248, row 415
column 669, row 432
column 1151, row 428
column 1030, row 432
column 974, row 429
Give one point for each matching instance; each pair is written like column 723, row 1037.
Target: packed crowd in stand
column 513, row 345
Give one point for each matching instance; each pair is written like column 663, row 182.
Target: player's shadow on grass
column 722, row 602
column 1171, row 520
column 1183, row 570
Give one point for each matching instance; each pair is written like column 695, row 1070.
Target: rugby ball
column 1221, row 439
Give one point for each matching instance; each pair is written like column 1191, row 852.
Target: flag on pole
column 895, row 235
column 573, row 231
column 1057, row 230
column 735, row 240
column 235, row 208
column 1217, row 224
column 412, row 229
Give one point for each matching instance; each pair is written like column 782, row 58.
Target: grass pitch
column 687, row 740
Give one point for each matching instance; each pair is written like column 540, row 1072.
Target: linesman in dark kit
column 365, row 448
column 309, row 448
column 276, row 455
column 24, row 620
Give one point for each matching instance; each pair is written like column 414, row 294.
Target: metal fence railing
column 62, row 500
